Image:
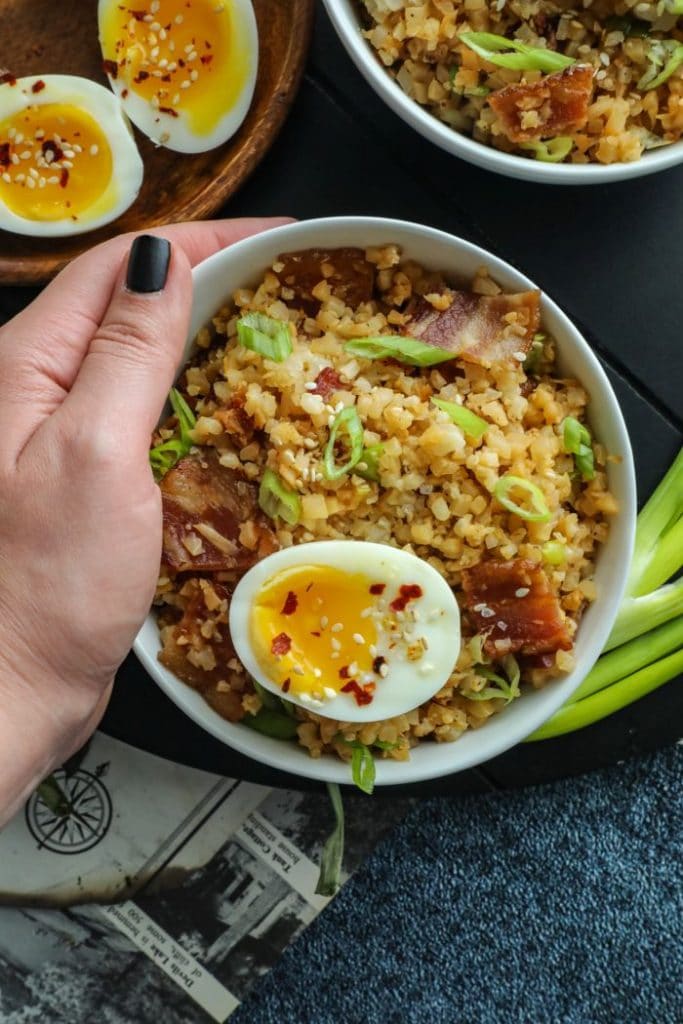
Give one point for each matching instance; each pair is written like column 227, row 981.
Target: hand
column 84, row 373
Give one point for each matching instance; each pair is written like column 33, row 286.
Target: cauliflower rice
column 434, row 496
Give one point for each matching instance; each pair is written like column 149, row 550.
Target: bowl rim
column 348, row 29
column 289, row 757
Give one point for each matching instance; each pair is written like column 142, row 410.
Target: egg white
column 176, row 133
column 127, row 167
column 405, row 687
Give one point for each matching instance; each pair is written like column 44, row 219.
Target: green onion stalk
column 645, row 648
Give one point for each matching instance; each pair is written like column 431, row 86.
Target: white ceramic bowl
column 243, row 264
column 344, row 16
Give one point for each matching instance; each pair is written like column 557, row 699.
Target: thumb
column 132, row 360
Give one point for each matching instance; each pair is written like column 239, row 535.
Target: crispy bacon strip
column 481, row 329
column 350, row 276
column 554, row 105
column 512, row 604
column 204, row 500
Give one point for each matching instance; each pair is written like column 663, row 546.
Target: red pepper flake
column 138, row 15
column 7, row 78
column 291, row 603
column 407, row 592
column 286, row 685
column 377, row 663
column 378, row 588
column 315, row 633
column 124, row 93
column 344, row 672
column 4, row 154
column 206, row 58
column 361, row 694
column 168, row 110
column 165, row 78
column 281, row 644
column 38, row 86
column 51, row 147
column 181, row 62
column 141, row 76
column 111, row 68
column 64, row 178
column 327, row 381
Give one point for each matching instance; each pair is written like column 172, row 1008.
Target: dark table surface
column 610, row 255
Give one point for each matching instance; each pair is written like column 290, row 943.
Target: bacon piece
column 327, row 381
column 481, row 329
column 512, row 604
column 185, row 637
column 559, row 102
column 350, row 276
column 235, row 420
column 204, row 499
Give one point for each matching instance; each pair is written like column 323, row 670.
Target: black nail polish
column 148, row 264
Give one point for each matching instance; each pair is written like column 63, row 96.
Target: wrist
column 42, row 722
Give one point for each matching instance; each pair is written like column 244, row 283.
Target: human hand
column 84, row 373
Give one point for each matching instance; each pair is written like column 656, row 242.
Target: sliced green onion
column 538, row 512
column 395, row 346
column 668, row 52
column 505, row 689
column 265, row 335
column 577, row 440
column 464, row 418
column 276, row 724
column 475, row 645
column 165, row 455
column 363, row 768
column 369, row 458
column 552, row 151
column 534, row 356
column 347, row 420
column 554, row 552
column 385, row 745
column 522, row 58
column 333, row 850
column 277, row 500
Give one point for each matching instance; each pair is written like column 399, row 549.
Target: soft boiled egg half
column 68, row 162
column 348, row 629
column 184, row 70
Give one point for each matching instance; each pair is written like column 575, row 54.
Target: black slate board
column 610, row 256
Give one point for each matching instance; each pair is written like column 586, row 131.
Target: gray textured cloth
column 558, row 904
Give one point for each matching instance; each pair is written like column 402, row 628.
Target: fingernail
column 148, row 264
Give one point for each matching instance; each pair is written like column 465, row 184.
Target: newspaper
column 159, row 889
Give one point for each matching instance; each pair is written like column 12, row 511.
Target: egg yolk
column 55, row 163
column 188, row 57
column 313, row 630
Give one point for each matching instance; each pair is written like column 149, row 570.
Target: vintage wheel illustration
column 69, row 813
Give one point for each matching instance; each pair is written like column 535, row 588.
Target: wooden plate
column 45, row 37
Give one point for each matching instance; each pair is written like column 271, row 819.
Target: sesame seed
column 154, row 6
column 41, row 182
column 297, row 670
column 335, row 654
column 40, row 134
column 171, row 47
column 94, row 150
column 384, row 670
column 69, row 154
column 14, row 158
column 34, row 173
column 178, row 19
column 173, row 65
column 155, row 26
column 76, row 148
column 157, row 74
column 67, row 163
column 310, row 385
column 20, row 177
column 189, row 48
column 19, row 138
column 366, row 613
column 519, row 356
column 163, row 63
column 502, row 626
column 358, row 638
column 425, row 668
column 176, row 99
column 192, row 55
column 521, row 591
column 487, row 613
column 336, row 646
column 163, row 34
column 31, row 182
column 373, row 651
column 6, row 177
column 317, row 673
column 194, row 75
column 337, row 627
column 329, row 692
column 152, row 39
column 324, row 622
column 305, row 698
column 26, row 155
column 53, row 180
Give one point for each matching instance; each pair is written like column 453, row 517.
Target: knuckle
column 132, row 342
